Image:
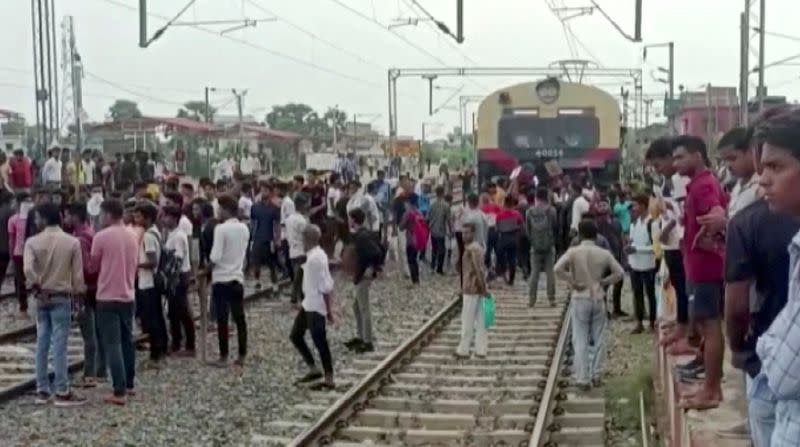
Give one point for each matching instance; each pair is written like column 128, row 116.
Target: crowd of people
column 118, row 254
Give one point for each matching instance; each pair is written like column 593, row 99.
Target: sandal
column 693, row 403
column 322, row 386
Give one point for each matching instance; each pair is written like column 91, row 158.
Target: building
column 12, row 130
column 708, row 114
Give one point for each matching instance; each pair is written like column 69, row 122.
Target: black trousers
column 491, row 246
column 19, row 283
column 641, row 283
column 507, row 254
column 229, row 300
column 297, row 279
column 315, row 323
column 439, row 251
column 153, row 324
column 261, row 254
column 181, row 323
column 677, row 276
column 524, row 255
column 412, row 255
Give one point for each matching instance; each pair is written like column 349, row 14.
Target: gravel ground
column 190, row 404
column 629, row 369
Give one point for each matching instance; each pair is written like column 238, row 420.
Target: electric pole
column 45, row 70
column 762, row 89
column 239, row 106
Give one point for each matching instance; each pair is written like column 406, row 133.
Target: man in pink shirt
column 116, row 251
column 703, row 258
column 16, row 242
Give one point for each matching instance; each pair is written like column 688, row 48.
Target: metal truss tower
column 45, row 67
column 71, row 93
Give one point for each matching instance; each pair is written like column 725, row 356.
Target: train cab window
column 570, row 134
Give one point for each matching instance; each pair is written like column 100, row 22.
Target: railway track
column 419, row 394
column 18, row 351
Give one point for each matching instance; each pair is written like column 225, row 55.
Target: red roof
column 150, row 123
column 265, row 132
column 5, row 113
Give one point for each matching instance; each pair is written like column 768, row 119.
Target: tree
column 303, row 120
column 123, row 109
column 196, row 110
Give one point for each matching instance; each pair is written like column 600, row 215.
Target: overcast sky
column 323, row 54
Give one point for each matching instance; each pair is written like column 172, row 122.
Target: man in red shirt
column 21, row 175
column 703, row 257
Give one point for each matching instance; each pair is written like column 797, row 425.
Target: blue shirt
column 779, row 352
column 623, row 212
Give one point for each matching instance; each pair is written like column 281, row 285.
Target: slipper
column 322, row 386
column 692, row 403
column 310, row 377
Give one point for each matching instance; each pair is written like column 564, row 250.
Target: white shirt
column 355, row 201
column 334, row 194
column 158, row 170
column 742, row 195
column 287, row 209
column 51, row 171
column 179, row 244
column 151, row 243
column 224, row 169
column 579, row 208
column 245, row 205
column 373, row 215
column 227, row 254
column 644, row 259
column 458, row 218
column 295, row 224
column 185, row 225
column 87, row 172
column 317, row 281
column 675, row 214
column 249, row 164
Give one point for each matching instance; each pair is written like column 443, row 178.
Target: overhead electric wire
column 612, row 22
column 264, row 49
column 131, row 92
column 399, row 36
column 316, row 37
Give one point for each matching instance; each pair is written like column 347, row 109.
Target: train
column 550, row 127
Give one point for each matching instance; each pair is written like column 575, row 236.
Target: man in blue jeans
column 54, row 270
column 585, row 268
column 116, row 251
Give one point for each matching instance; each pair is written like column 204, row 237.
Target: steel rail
column 20, row 388
column 353, row 400
column 544, row 414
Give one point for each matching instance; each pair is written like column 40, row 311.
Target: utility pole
column 744, row 63
column 762, row 89
column 45, row 70
column 647, row 104
column 239, row 106
column 208, row 139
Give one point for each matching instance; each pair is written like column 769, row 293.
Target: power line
column 252, row 45
column 412, row 3
column 399, row 36
column 314, row 36
column 131, row 92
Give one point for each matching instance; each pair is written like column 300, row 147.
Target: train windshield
column 530, row 136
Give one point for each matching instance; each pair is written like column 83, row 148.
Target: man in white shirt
column 331, row 224
column 673, row 192
column 365, row 203
column 580, row 207
column 249, row 165
column 642, row 261
column 181, row 323
column 51, row 171
column 246, row 202
column 287, row 208
column 295, row 224
column 148, row 298
column 227, row 277
column 314, row 310
column 86, row 173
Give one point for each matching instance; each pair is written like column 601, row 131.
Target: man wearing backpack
column 541, row 225
column 148, row 296
column 642, row 261
column 369, row 256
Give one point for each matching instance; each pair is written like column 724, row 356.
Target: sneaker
column 130, row 392
column 352, row 343
column 69, row 400
column 42, row 398
column 310, row 377
column 637, row 330
column 115, row 400
column 364, row 347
